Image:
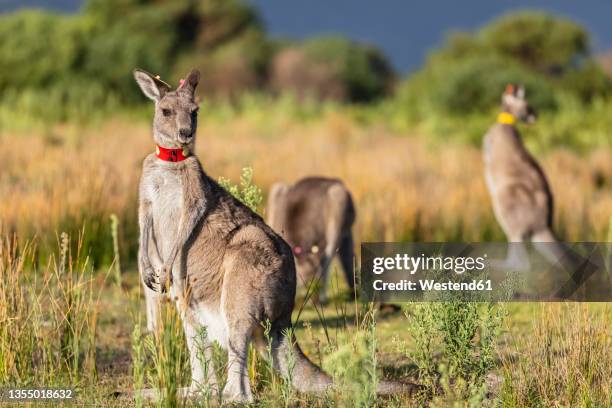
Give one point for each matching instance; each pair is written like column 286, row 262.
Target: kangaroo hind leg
column 200, row 356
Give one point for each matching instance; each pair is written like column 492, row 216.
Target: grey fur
column 521, row 196
column 316, row 215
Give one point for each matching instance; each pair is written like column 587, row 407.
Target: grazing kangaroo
column 315, row 216
column 522, row 200
column 225, row 268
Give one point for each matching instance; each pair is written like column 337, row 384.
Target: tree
column 544, row 42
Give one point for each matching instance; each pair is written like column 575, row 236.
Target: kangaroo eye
column 166, row 112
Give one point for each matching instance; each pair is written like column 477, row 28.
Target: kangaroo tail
column 290, row 360
column 387, row 387
column 544, row 235
column 546, row 243
column 307, row 377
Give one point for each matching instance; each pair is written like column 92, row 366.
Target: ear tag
column 159, row 80
column 314, row 249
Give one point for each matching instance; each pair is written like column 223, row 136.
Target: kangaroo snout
column 185, row 135
column 532, row 115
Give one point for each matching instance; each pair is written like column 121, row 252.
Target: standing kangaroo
column 227, row 270
column 522, row 200
column 315, row 216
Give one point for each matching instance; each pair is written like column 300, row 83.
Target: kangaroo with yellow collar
column 521, row 196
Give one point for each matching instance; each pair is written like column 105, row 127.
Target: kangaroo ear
column 153, row 87
column 278, row 189
column 520, row 92
column 191, row 81
column 276, row 204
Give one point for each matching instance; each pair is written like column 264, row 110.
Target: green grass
column 354, row 342
column 577, row 126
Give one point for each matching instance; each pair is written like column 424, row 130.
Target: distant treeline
column 88, row 58
column 61, row 66
column 550, row 55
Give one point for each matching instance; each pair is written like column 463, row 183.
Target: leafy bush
column 224, row 20
column 541, row 41
column 247, row 192
column 293, row 72
column 474, row 85
column 550, row 55
column 354, row 365
column 231, row 69
column 454, row 341
column 84, row 61
column 588, row 83
column 143, row 38
column 458, row 90
column 363, row 69
column 330, row 68
column 224, row 39
column 37, row 49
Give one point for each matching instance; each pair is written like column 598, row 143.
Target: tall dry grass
column 405, row 187
column 48, row 317
column 565, row 362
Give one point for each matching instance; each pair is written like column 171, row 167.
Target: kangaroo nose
column 185, row 133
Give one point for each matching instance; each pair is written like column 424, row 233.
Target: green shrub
column 37, row 48
column 476, row 84
column 143, row 38
column 223, row 20
column 542, row 41
column 230, row 69
column 587, row 83
column 354, row 366
column 457, row 92
column 247, row 192
column 454, row 342
column 547, row 54
column 69, row 67
column 364, row 69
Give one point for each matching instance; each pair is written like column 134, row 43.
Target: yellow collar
column 506, row 118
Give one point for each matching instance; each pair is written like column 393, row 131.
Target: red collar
column 171, row 155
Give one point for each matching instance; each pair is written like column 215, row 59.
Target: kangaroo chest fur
column 165, row 191
column 504, row 157
column 508, row 162
column 176, row 193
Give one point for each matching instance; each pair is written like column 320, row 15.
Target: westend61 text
column 432, row 285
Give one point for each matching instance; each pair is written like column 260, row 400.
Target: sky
column 405, row 30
